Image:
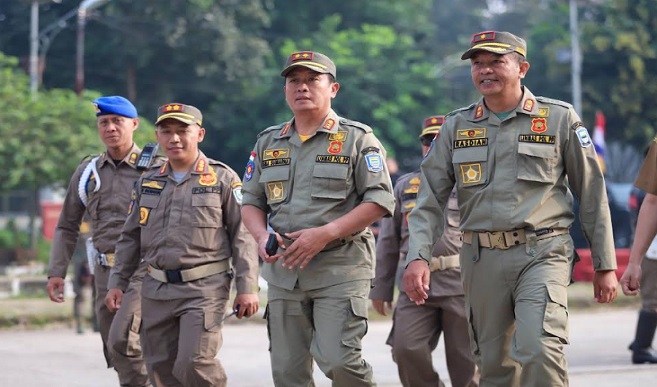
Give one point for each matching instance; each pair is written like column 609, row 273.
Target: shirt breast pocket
column 470, row 166
column 330, row 181
column 536, row 162
column 275, row 181
column 207, row 210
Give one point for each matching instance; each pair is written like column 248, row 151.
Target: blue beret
column 115, row 105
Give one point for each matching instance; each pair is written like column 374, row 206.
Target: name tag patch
column 333, row 159
column 470, row 143
column 537, row 138
column 274, row 162
column 206, row 190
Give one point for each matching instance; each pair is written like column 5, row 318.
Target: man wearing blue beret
column 101, row 188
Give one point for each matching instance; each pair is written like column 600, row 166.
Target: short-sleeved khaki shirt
column 514, row 174
column 309, row 184
column 180, row 225
column 647, row 178
column 107, row 197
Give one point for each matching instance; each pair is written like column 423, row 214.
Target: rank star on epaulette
column 328, row 125
column 200, row 166
column 479, row 112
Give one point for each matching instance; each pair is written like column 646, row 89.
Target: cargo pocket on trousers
column 555, row 320
column 212, row 335
column 133, row 345
column 355, row 327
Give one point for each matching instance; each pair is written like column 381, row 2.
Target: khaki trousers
column 415, row 334
column 326, row 325
column 516, row 301
column 120, row 331
column 180, row 339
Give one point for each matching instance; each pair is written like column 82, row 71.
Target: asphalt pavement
column 597, row 355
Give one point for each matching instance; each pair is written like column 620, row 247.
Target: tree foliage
column 398, row 61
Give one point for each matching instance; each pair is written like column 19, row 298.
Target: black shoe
column 646, row 355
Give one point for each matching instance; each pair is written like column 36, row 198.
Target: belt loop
column 475, row 246
column 532, row 242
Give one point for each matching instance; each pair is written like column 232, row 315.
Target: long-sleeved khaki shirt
column 180, row 225
column 309, row 184
column 392, row 244
column 107, row 208
column 514, row 174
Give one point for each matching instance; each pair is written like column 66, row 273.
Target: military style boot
column 642, row 351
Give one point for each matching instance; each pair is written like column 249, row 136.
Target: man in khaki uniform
column 100, row 187
column 417, row 329
column 642, row 274
column 510, row 155
column 184, row 222
column 322, row 180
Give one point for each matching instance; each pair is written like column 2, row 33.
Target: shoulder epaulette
column 554, row 102
column 89, row 157
column 356, row 124
column 461, row 109
column 158, row 161
column 271, row 128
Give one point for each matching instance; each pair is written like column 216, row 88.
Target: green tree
column 620, row 45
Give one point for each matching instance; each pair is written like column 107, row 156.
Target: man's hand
column 605, row 286
column 416, row 280
column 248, row 304
column 113, row 299
column 631, row 279
column 307, row 244
column 380, row 306
column 262, row 242
column 55, row 288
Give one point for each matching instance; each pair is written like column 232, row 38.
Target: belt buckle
column 173, row 276
column 497, row 240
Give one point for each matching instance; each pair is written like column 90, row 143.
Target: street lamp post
column 34, row 48
column 83, row 11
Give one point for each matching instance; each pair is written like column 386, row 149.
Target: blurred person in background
column 417, row 328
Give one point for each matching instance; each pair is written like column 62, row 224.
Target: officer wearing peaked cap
column 322, row 180
column 417, row 329
column 509, row 156
column 100, row 188
column 184, row 222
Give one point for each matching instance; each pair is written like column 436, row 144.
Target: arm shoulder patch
column 355, row 124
